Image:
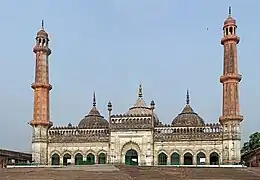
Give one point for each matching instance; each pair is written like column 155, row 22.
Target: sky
column 112, row 46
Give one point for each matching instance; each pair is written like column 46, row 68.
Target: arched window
column 201, row 158
column 90, row 158
column 55, row 159
column 78, row 159
column 175, row 159
column 214, row 158
column 66, row 159
column 188, row 159
column 162, row 159
column 102, row 158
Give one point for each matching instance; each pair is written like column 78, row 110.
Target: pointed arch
column 78, row 159
column 55, row 152
column 78, row 151
column 55, row 159
column 188, row 157
column 130, row 153
column 162, row 151
column 101, row 151
column 188, row 151
column 90, row 151
column 162, row 158
column 66, row 152
column 175, row 158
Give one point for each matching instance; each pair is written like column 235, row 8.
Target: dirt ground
column 129, row 173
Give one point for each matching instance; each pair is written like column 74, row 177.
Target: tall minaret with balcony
column 230, row 79
column 41, row 113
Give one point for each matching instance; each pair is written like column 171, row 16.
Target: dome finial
column 187, row 97
column 140, row 93
column 94, row 99
column 229, row 11
column 42, row 24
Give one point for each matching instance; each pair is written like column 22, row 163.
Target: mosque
column 138, row 137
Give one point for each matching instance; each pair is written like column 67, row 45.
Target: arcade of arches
column 131, row 158
column 188, row 159
column 78, row 159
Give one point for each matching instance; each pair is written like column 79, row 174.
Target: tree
column 253, row 143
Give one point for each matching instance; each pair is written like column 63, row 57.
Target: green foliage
column 253, row 143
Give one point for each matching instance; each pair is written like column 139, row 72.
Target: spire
column 187, row 97
column 42, row 24
column 94, row 99
column 140, row 93
column 229, row 11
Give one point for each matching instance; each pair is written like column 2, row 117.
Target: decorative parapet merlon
column 208, row 128
column 121, row 121
column 59, row 135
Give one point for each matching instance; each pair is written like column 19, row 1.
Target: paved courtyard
column 128, row 173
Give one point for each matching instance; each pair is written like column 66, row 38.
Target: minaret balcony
column 230, row 38
column 41, row 85
column 230, row 77
column 45, row 49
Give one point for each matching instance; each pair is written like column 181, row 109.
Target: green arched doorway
column 78, row 159
column 214, row 158
column 55, row 159
column 102, row 158
column 90, row 158
column 188, row 159
column 66, row 159
column 162, row 159
column 175, row 159
column 131, row 157
column 201, row 158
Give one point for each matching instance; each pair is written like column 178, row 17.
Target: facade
column 252, row 158
column 8, row 157
column 138, row 137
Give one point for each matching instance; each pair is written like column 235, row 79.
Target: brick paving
column 129, row 173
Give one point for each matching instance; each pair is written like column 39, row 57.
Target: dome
column 140, row 108
column 42, row 32
column 93, row 119
column 230, row 20
column 188, row 117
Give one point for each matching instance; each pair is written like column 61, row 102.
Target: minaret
column 230, row 79
column 41, row 113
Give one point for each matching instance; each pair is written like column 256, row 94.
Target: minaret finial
column 140, row 93
column 187, row 97
column 42, row 24
column 229, row 11
column 94, row 99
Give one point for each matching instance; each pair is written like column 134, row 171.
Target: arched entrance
column 90, row 158
column 162, row 159
column 78, row 159
column 66, row 159
column 188, row 159
column 175, row 159
column 55, row 159
column 102, row 158
column 201, row 158
column 214, row 158
column 131, row 157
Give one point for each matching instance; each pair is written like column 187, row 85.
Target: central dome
column 93, row 119
column 188, row 118
column 140, row 108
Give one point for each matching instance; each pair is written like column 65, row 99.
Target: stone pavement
column 109, row 172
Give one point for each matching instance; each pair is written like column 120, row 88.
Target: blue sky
column 111, row 46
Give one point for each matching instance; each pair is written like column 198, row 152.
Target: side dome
column 140, row 108
column 188, row 118
column 94, row 119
